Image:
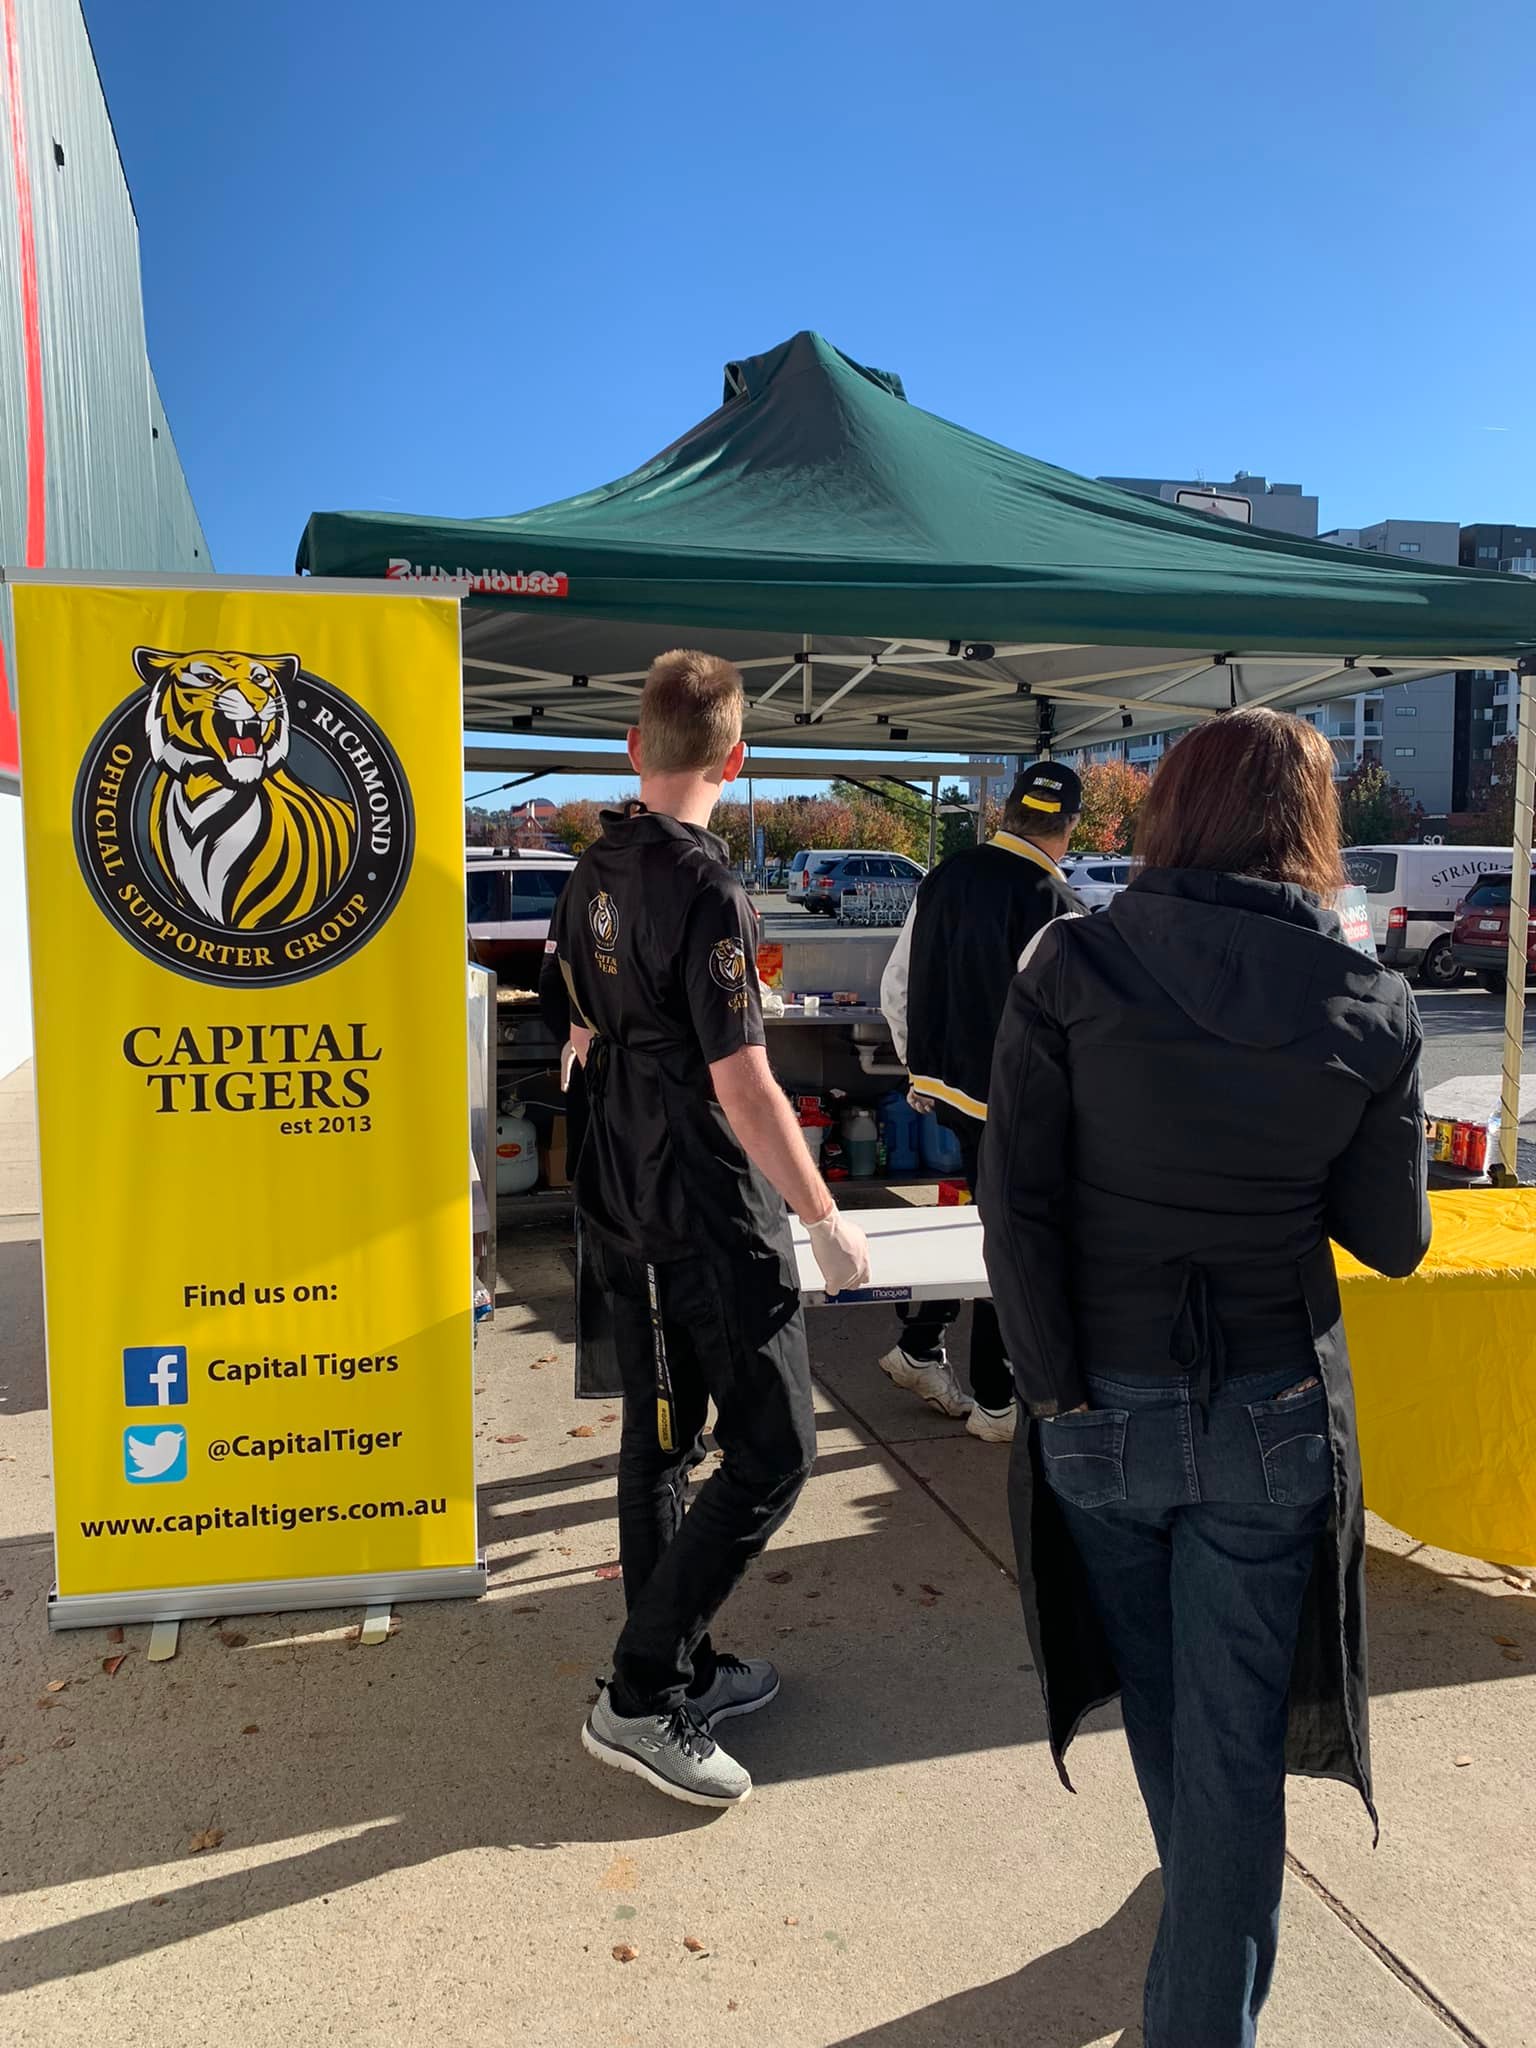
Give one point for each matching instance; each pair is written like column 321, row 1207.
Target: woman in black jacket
column 1191, row 1095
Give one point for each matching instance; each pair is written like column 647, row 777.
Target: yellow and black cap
column 1047, row 790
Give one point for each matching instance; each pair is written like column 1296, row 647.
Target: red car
column 1480, row 935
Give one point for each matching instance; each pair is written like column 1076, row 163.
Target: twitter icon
column 152, row 1456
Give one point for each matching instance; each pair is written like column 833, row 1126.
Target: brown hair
column 1248, row 793
column 690, row 712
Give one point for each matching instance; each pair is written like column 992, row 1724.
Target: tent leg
column 933, row 823
column 1506, row 1172
column 981, row 808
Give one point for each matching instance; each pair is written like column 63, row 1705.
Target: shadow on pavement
column 23, row 1377
column 1070, row 1998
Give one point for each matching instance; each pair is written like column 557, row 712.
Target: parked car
column 511, row 897
column 804, row 867
column 1412, row 893
column 1480, row 935
column 850, row 873
column 1096, row 883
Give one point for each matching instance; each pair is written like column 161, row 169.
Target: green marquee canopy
column 887, row 576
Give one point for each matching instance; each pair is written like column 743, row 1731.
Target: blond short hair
column 690, row 712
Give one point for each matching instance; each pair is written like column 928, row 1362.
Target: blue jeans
column 1197, row 1534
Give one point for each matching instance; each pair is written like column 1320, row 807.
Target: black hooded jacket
column 1190, row 1095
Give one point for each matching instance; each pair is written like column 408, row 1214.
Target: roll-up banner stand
column 243, row 819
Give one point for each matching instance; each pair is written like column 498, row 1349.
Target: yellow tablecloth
column 1445, row 1379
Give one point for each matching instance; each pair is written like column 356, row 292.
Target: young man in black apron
column 690, row 1155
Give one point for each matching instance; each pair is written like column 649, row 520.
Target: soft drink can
column 1459, row 1137
column 1477, row 1148
column 1444, row 1133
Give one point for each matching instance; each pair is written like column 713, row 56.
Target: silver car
column 1096, row 883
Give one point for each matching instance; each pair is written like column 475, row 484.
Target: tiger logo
column 603, row 917
column 240, row 839
column 728, row 965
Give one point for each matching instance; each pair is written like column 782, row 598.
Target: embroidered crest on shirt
column 603, row 921
column 728, row 967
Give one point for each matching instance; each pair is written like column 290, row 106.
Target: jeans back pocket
column 1292, row 1431
column 1085, row 1456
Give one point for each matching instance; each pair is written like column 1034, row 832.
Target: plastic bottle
column 939, row 1146
column 861, row 1140
column 899, row 1123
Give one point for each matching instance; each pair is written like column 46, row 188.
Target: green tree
column 1373, row 811
column 1113, row 794
column 1492, row 822
column 888, row 818
column 957, row 827
column 577, row 824
column 791, row 824
column 732, row 822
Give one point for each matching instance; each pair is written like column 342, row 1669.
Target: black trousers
column 924, row 1324
column 732, row 1331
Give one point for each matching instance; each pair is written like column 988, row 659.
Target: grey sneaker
column 670, row 1751
column 741, row 1685
column 929, row 1378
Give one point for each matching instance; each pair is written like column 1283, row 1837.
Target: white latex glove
column 772, row 1001
column 841, row 1250
column 923, row 1104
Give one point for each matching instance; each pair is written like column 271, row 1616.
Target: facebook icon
column 155, row 1376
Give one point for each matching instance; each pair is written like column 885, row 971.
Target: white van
column 1413, row 892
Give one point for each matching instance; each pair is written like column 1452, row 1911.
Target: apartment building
column 1278, row 508
column 1434, row 736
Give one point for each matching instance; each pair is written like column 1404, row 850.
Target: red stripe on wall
column 31, row 309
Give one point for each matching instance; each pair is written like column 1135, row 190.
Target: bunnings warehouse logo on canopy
column 496, row 582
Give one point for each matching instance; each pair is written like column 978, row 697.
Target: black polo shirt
column 656, row 946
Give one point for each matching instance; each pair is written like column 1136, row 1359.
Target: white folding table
column 914, row 1255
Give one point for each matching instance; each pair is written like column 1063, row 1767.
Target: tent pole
column 1506, row 1170
column 981, row 808
column 933, row 823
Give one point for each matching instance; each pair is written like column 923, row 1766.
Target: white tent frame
column 962, row 672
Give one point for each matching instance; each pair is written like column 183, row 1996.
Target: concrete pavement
column 412, row 1845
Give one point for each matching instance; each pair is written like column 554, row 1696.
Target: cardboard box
column 553, row 1171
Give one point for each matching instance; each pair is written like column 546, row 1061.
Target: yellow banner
column 243, row 816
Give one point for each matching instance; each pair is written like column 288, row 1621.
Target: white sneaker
column 930, row 1378
column 672, row 1751
column 993, row 1425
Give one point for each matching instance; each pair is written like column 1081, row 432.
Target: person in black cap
column 943, row 994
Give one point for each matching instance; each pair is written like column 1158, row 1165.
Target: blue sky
column 465, row 260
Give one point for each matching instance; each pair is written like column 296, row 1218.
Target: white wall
column 15, row 993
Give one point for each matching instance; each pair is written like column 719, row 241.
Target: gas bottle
column 517, row 1151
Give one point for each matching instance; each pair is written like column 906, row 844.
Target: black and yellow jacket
column 947, row 981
